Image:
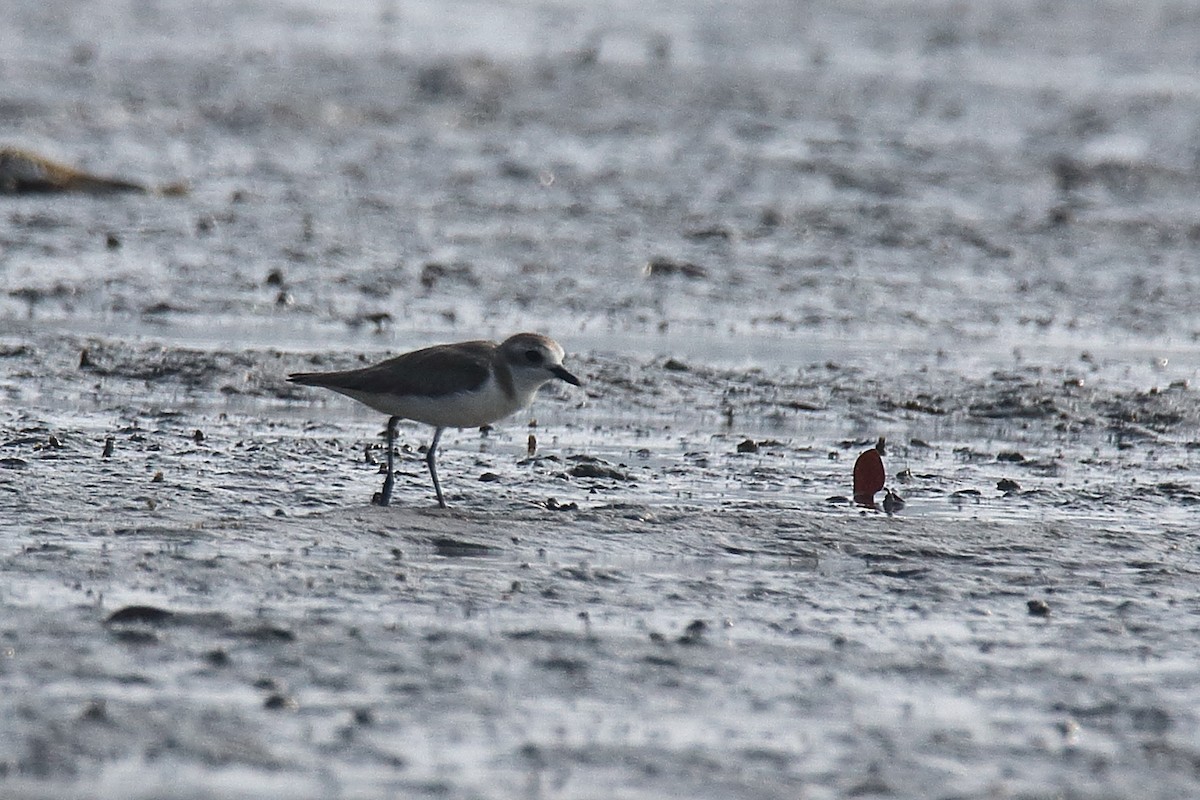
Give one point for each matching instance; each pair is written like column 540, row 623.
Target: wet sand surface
column 767, row 234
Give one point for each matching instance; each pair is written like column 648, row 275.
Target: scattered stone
column 379, row 319
column 675, row 366
column 571, row 666
column 1038, row 608
column 267, row 633
column 217, row 657
column 137, row 636
column 489, row 477
column 458, row 548
column 711, row 232
column 435, row 272
column 1068, row 729
column 112, row 242
column 277, row 701
column 1010, row 456
column 694, row 632
column 198, row 436
column 1060, row 215
column 95, row 711
column 145, row 615
column 662, row 267
column 748, row 446
column 441, row 81
column 586, row 573
column 1008, row 485
column 593, row 470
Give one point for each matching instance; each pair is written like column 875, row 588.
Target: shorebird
column 461, row 385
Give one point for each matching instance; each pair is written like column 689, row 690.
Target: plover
column 462, row 385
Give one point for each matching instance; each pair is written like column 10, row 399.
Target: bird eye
column 534, row 356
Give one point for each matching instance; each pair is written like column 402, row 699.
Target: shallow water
column 969, row 229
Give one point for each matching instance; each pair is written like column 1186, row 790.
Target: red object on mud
column 869, row 477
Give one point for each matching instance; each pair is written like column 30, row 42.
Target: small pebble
column 892, row 503
column 217, row 657
column 694, row 632
column 95, row 711
column 1038, row 608
column 278, row 701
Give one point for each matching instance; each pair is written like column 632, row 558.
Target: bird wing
column 431, row 372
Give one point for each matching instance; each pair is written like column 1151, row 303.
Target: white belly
column 463, row 410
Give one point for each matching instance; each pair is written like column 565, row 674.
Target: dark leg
column 430, row 460
column 385, row 496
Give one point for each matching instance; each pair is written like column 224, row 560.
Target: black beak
column 561, row 372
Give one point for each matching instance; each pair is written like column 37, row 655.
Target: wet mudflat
column 767, row 235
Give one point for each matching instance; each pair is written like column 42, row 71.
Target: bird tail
column 309, row 378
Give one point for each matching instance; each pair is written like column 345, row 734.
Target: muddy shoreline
column 767, row 234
